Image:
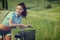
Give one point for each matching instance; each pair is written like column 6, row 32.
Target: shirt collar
column 16, row 14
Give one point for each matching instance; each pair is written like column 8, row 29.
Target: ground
column 45, row 22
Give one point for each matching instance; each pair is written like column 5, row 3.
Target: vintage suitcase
column 25, row 35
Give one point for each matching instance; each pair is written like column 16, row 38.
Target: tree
column 4, row 4
column 52, row 0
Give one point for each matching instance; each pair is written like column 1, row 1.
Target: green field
column 46, row 22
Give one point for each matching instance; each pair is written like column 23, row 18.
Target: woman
column 13, row 19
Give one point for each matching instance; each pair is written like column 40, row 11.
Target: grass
column 45, row 22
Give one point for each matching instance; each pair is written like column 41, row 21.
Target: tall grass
column 45, row 22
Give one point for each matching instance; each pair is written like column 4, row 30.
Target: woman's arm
column 11, row 24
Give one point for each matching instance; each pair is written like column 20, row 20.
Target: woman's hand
column 25, row 26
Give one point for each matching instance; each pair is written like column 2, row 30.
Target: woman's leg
column 7, row 37
column 0, row 38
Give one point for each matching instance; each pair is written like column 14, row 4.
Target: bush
column 49, row 6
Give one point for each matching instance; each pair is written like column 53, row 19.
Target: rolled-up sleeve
column 6, row 20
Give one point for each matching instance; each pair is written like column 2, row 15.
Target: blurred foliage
column 52, row 0
column 43, row 15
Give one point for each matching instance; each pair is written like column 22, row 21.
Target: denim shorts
column 4, row 33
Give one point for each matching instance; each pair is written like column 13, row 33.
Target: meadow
column 46, row 22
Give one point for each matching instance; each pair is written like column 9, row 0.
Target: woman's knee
column 0, row 38
column 7, row 37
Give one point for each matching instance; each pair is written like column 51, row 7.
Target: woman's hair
column 24, row 14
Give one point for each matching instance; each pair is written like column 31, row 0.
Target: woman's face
column 19, row 10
